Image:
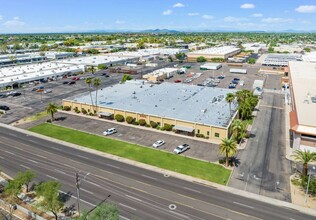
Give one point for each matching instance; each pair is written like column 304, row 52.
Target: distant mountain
column 159, row 31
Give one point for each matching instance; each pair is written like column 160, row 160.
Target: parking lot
column 146, row 137
column 245, row 79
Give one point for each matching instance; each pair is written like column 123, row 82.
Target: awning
column 106, row 114
column 183, row 128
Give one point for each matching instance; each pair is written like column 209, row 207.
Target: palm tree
column 230, row 98
column 228, row 147
column 237, row 127
column 305, row 157
column 52, row 109
column 89, row 82
column 96, row 84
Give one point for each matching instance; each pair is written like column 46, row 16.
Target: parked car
column 75, row 78
column 181, row 148
column 221, row 77
column 236, row 79
column 158, row 143
column 71, row 82
column 16, row 94
column 109, row 131
column 3, row 95
column 105, row 74
column 65, row 82
column 47, row 91
column 82, row 77
column 39, row 90
column 177, row 81
column 232, row 86
column 4, row 107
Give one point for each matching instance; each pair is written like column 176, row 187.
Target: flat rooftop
column 216, row 50
column 280, row 59
column 30, row 72
column 203, row 105
column 303, row 78
column 97, row 60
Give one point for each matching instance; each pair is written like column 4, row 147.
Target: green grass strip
column 165, row 160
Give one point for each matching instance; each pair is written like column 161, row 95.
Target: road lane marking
column 25, row 166
column 131, row 197
column 2, row 158
column 66, row 165
column 176, row 213
column 51, row 177
column 33, row 161
column 92, row 183
column 81, row 200
column 41, row 156
column 241, row 204
column 83, row 157
column 59, row 171
column 9, row 152
column 87, row 191
column 123, row 217
column 126, row 206
column 110, row 165
column 193, row 190
column 149, row 177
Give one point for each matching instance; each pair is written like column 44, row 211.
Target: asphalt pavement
column 137, row 192
column 263, row 167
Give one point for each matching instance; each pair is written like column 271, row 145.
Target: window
column 198, row 131
column 216, row 135
column 208, row 133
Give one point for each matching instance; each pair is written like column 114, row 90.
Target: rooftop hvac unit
column 313, row 99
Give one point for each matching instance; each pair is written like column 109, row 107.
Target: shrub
column 129, row 119
column 49, row 120
column 167, row 127
column 201, row 59
column 153, row 124
column 84, row 111
column 90, row 113
column 66, row 108
column 135, row 123
column 162, row 128
column 142, row 122
column 147, row 126
column 119, row 118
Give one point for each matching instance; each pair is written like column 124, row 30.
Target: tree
column 107, row 211
column 96, row 84
column 201, row 59
column 51, row 109
column 180, row 56
column 228, row 147
column 102, row 66
column 230, row 98
column 126, row 77
column 25, row 178
column 89, row 82
column 237, row 127
column 305, row 157
column 12, row 189
column 49, row 192
column 251, row 60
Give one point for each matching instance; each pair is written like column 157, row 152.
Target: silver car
column 181, row 148
column 158, row 143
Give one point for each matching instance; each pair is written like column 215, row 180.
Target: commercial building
column 58, row 55
column 214, row 52
column 108, row 60
column 14, row 59
column 190, row 109
column 280, row 60
column 31, row 72
column 310, row 57
column 211, row 66
column 302, row 78
column 160, row 74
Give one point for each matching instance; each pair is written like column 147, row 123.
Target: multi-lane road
column 137, row 192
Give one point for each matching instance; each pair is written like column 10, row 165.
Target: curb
column 238, row 192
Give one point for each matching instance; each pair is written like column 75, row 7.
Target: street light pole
column 78, row 181
column 309, row 179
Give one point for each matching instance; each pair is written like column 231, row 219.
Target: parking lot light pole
column 309, row 179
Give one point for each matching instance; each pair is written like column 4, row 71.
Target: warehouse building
column 58, row 55
column 32, row 72
column 214, row 52
column 160, row 74
column 280, row 60
column 14, row 59
column 211, row 66
column 302, row 78
column 95, row 61
column 190, row 109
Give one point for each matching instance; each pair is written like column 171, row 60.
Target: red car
column 75, row 78
column 177, row 81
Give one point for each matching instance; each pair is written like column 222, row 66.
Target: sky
column 33, row 16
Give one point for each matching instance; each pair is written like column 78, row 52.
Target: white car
column 109, row 131
column 181, row 148
column 158, row 143
column 47, row 91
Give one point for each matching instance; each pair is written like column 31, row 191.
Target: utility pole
column 78, row 192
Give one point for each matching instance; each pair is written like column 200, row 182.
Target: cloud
column 193, row 14
column 208, row 17
column 247, row 6
column 15, row 22
column 257, row 15
column 233, row 19
column 167, row 12
column 1, row 17
column 178, row 5
column 277, row 20
column 119, row 22
column 306, row 9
